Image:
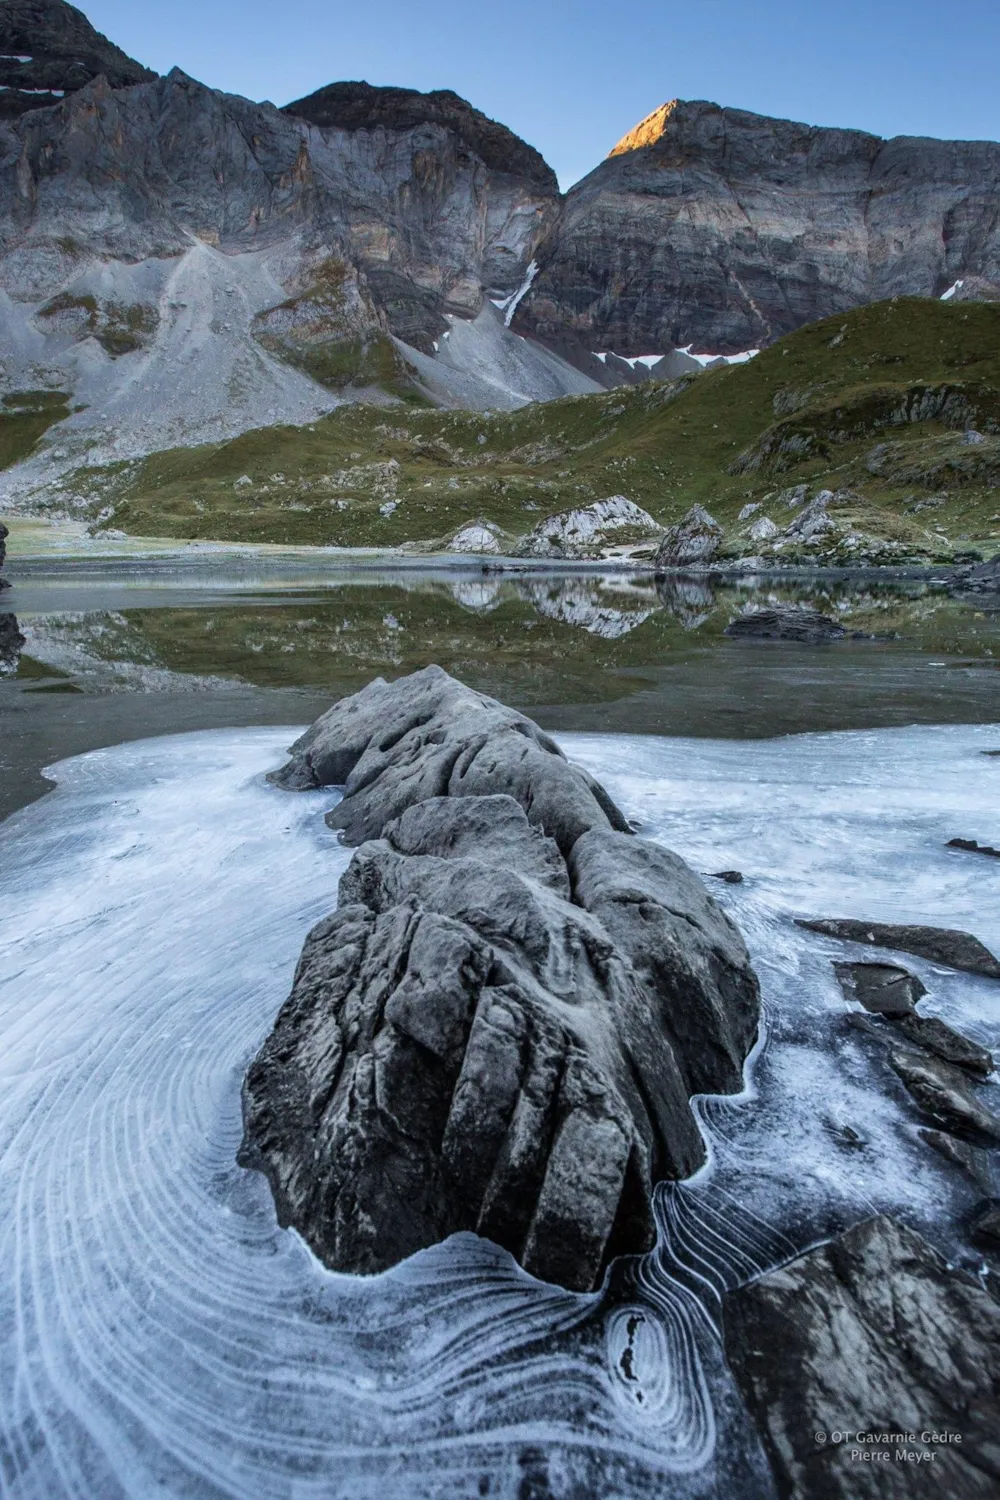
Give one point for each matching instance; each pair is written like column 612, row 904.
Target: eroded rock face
column 727, row 229
column 49, row 49
column 586, row 531
column 500, row 1027
column 871, row 1333
column 694, row 540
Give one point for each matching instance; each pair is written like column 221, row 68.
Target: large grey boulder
column 695, row 540
column 500, row 1027
column 871, row 1334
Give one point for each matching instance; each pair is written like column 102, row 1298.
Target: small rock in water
column 883, row 989
column 941, row 1091
column 971, row 846
column 936, row 1037
column 731, row 877
column 972, row 1159
column 785, row 624
column 941, row 945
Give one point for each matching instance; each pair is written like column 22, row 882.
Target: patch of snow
column 955, row 287
column 508, row 305
column 730, row 359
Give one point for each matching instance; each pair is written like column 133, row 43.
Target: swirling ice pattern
column 159, row 1335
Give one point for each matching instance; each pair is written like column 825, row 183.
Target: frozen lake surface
column 161, row 1336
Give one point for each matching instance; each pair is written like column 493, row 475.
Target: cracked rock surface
column 500, row 1026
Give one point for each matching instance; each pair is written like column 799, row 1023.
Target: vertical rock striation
column 500, row 1027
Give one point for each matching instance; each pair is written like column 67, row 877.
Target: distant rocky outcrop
column 590, row 529
column 500, row 1026
column 4, row 534
column 872, row 1369
column 49, row 49
column 726, row 229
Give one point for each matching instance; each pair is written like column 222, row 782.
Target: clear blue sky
column 572, row 76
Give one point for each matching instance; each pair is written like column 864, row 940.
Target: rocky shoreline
column 499, row 1029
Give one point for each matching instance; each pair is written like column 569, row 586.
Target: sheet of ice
column 956, row 286
column 159, row 1334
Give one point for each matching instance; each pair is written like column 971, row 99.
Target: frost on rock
column 584, row 532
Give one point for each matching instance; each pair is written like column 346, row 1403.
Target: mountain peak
column 49, row 49
column 648, row 131
column 366, row 106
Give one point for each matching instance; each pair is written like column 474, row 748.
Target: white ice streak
column 956, row 286
column 841, row 825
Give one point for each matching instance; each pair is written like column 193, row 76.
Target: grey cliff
column 726, row 229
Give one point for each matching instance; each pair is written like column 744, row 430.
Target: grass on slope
column 874, row 401
column 25, row 416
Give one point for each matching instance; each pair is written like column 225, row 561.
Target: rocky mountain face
column 188, row 264
column 48, row 50
column 183, row 265
column 726, row 229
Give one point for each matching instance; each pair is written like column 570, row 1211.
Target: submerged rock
column 942, row 945
column 884, row 989
column 935, row 1036
column 871, row 1334
column 942, row 1092
column 972, row 1159
column 694, row 540
column 499, row 1028
column 786, row 624
column 972, row 847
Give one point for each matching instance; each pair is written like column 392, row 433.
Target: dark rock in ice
column 786, row 624
column 972, row 1159
column 731, row 877
column 884, row 989
column 942, row 1092
column 971, row 846
column 12, row 643
column 500, row 1027
column 985, row 1226
column 871, row 1333
column 942, row 945
column 4, row 534
column 394, row 744
column 952, row 1046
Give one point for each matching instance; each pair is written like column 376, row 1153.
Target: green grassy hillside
column 874, row 403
